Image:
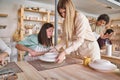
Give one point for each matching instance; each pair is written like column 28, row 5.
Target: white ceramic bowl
column 50, row 55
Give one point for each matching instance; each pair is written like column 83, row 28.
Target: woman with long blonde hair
column 77, row 37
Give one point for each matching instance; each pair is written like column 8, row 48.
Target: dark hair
column 42, row 36
column 104, row 17
column 108, row 31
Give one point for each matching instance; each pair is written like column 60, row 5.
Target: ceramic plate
column 103, row 65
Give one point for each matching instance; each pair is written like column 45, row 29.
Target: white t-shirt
column 4, row 47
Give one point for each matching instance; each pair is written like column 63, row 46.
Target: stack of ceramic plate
column 49, row 57
column 103, row 65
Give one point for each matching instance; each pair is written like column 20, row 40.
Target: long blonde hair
column 69, row 23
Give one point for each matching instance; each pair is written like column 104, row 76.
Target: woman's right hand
column 61, row 57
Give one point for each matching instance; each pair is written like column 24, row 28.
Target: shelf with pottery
column 49, row 14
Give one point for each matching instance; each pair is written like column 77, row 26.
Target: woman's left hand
column 61, row 57
column 2, row 58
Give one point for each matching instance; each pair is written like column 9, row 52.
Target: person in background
column 77, row 36
column 37, row 44
column 99, row 27
column 102, row 41
column 5, row 51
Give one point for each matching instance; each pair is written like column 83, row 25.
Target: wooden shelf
column 54, row 22
column 35, row 11
column 3, row 15
column 34, row 20
column 2, row 26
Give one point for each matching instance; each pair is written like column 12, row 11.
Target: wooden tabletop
column 68, row 72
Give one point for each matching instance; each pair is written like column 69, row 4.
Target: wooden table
column 68, row 72
column 115, row 58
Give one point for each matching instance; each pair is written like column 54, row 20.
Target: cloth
column 4, row 47
column 84, row 42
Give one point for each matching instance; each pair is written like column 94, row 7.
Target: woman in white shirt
column 5, row 51
column 77, row 37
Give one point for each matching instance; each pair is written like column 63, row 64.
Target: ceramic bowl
column 50, row 55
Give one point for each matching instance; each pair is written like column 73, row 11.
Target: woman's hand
column 61, row 57
column 2, row 58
